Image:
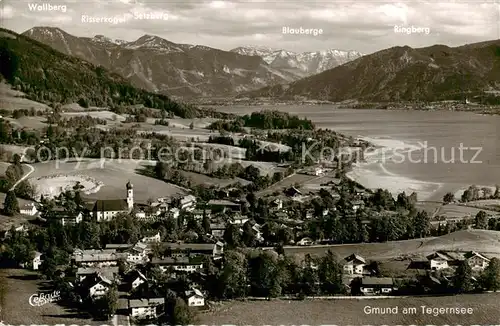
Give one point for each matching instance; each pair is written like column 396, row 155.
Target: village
column 138, row 271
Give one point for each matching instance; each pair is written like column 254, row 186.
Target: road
column 32, row 169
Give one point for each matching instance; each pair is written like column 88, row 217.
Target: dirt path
column 32, row 169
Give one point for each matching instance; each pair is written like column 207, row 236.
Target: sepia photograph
column 249, row 162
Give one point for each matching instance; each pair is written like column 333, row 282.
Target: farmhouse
column 107, row 209
column 134, row 279
column 67, row 218
column 223, row 205
column 145, row 308
column 195, row 298
column 438, row 261
column 354, row 264
column 138, row 254
column 180, row 264
column 377, row 285
column 108, row 272
column 188, row 203
column 476, row 261
column 29, row 209
column 96, row 258
column 217, row 229
column 97, row 285
column 213, row 250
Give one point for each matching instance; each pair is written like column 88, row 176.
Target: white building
column 354, row 264
column 29, row 209
column 107, row 209
column 239, row 220
column 188, row 203
column 476, row 261
column 152, row 239
column 195, row 298
column 145, row 308
column 101, row 286
column 37, row 261
column 173, row 213
column 179, row 264
column 139, row 279
column 97, row 258
column 438, row 261
column 138, row 254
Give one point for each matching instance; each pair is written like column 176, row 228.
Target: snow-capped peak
column 306, row 62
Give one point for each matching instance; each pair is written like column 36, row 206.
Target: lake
column 439, row 151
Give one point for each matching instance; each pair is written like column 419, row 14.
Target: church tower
column 130, row 196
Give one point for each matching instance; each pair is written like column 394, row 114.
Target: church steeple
column 130, row 195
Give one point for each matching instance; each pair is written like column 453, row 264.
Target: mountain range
column 301, row 64
column 185, row 70
column 48, row 76
column 431, row 73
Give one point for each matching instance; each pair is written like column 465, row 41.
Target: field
column 487, row 242
column 352, row 312
column 107, row 179
column 293, row 179
column 16, row 287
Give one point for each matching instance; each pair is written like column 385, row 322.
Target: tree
column 232, row 236
column 422, row 224
column 481, row 220
column 182, row 315
column 11, row 205
column 448, row 198
column 490, row 278
column 191, row 125
column 463, row 278
column 106, row 306
column 330, row 274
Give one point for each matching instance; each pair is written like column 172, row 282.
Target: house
column 145, row 308
column 194, row 298
column 67, row 218
column 138, row 254
column 318, row 171
column 224, row 205
column 357, row 204
column 198, row 214
column 98, row 285
column 29, row 209
column 188, row 203
column 172, row 213
column 107, row 209
column 377, row 285
column 151, row 239
column 258, row 232
column 239, row 220
column 292, row 192
column 214, row 250
column 179, row 264
column 476, row 261
column 438, row 261
column 136, row 278
column 217, row 229
column 309, row 214
column 354, row 264
column 108, row 272
column 277, row 204
column 37, row 261
column 305, row 242
column 119, row 247
column 97, row 258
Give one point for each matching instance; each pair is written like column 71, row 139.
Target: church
column 106, row 210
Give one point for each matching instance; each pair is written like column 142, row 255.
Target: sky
column 365, row 26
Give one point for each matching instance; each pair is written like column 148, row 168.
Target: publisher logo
column 40, row 299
